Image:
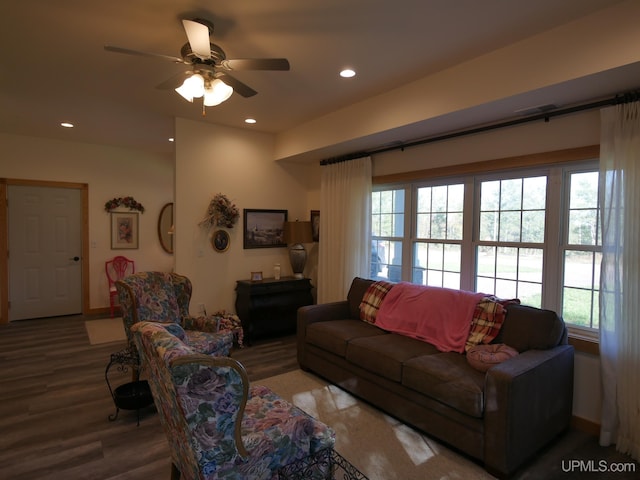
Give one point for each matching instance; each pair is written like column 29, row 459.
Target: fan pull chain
column 204, row 110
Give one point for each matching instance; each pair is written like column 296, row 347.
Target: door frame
column 4, row 239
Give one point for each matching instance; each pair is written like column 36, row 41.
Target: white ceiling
column 54, row 67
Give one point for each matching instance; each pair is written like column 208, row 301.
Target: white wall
column 239, row 163
column 109, row 172
column 560, row 133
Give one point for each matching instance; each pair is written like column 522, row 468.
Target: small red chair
column 117, row 268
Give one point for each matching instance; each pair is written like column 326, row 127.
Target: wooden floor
column 54, row 404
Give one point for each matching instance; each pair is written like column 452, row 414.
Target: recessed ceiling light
column 347, row 73
column 66, row 125
column 249, row 120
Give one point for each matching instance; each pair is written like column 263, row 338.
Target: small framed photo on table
column 256, row 276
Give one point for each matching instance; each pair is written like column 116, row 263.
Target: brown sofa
column 501, row 417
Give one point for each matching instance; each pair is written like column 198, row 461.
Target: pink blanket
column 440, row 316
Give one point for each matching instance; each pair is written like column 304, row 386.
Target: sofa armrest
column 317, row 313
column 528, row 401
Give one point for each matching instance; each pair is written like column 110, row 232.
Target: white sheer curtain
column 620, row 277
column 345, row 227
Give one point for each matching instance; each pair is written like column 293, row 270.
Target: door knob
column 75, row 259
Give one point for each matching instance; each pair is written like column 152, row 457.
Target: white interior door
column 45, row 251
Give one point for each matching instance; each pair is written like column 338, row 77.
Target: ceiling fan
column 208, row 73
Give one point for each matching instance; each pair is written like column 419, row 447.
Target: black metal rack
column 132, row 395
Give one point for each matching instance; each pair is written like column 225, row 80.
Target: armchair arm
column 236, row 387
column 528, row 401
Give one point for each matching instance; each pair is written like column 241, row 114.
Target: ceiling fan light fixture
column 192, row 87
column 216, row 92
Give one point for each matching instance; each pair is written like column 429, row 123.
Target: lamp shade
column 298, row 232
column 216, row 92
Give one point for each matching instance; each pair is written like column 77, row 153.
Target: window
column 510, row 247
column 581, row 250
column 437, row 253
column 387, row 224
column 531, row 234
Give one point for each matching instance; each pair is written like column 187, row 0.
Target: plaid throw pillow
column 488, row 318
column 372, row 299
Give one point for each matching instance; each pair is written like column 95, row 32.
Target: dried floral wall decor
column 220, row 213
column 128, row 202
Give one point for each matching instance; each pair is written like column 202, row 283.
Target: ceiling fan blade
column 257, row 64
column 175, row 81
column 111, row 48
column 198, row 35
column 238, row 87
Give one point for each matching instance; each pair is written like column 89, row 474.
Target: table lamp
column 295, row 234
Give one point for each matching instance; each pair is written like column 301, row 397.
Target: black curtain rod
column 627, row 97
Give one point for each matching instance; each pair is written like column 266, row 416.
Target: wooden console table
column 270, row 306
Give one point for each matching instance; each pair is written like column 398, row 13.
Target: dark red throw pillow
column 483, row 357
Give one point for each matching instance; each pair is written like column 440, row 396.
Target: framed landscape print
column 264, row 228
column 124, row 230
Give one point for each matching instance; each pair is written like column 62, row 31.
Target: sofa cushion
column 372, row 300
column 356, row 292
column 334, row 335
column 527, row 328
column 483, row 357
column 385, row 354
column 447, row 378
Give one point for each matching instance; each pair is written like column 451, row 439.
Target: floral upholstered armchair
column 218, row 425
column 164, row 298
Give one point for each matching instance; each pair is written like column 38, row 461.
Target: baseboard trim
column 584, row 425
column 100, row 311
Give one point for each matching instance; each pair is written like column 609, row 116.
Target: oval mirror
column 165, row 228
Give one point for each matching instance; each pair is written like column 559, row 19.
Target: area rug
column 379, row 446
column 105, row 330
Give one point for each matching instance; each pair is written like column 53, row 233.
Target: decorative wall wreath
column 128, row 202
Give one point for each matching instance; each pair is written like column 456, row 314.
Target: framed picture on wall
column 315, row 225
column 264, row 228
column 124, row 230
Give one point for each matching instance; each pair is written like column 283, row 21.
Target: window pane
column 423, row 225
column 509, row 227
column 456, row 198
column 507, row 263
column 579, row 269
column 511, row 194
column 439, row 215
column 439, row 199
column 489, row 226
column 535, row 193
column 489, row 196
column 530, row 265
column 584, row 190
column 583, row 227
column 530, row 294
column 486, row 261
column 577, row 307
column 386, row 260
column 533, row 226
column 437, row 264
column 436, row 256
